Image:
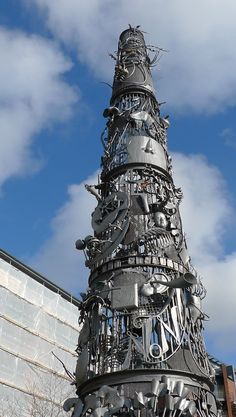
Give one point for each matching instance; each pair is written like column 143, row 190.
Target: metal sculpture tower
column 141, row 350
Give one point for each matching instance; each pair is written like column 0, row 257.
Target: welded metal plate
column 125, row 297
column 145, row 150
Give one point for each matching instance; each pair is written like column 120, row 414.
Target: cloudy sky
column 55, row 73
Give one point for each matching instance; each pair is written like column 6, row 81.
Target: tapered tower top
column 132, row 71
column 135, row 134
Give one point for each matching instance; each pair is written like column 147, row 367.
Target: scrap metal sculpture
column 140, row 350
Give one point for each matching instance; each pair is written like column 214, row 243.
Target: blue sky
column 54, row 63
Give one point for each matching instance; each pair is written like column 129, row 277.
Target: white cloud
column 220, row 304
column 228, row 136
column 32, row 95
column 198, row 74
column 58, row 259
column 205, row 208
column 205, row 212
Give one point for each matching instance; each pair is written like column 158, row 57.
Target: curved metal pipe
column 185, row 281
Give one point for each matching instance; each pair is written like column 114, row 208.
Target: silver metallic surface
column 140, row 350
